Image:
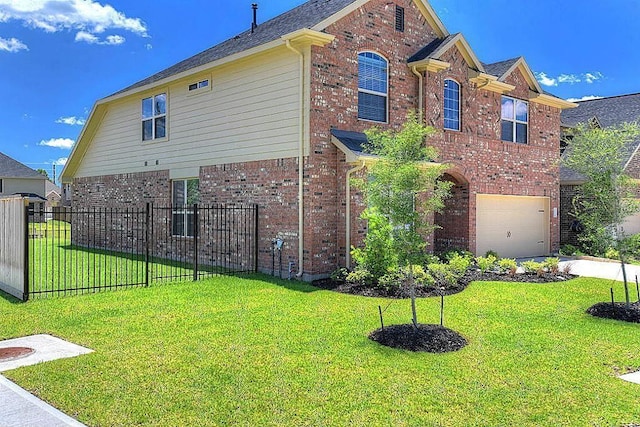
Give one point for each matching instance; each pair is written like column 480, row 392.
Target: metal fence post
column 256, row 248
column 147, row 236
column 195, row 242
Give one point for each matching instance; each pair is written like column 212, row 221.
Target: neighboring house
column 603, row 112
column 275, row 117
column 53, row 194
column 19, row 179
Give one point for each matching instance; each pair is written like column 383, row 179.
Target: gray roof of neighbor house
column 10, row 168
column 50, row 186
column 306, row 15
column 610, row 111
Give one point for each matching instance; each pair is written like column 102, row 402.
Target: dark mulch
column 428, row 338
column 617, row 311
column 402, row 291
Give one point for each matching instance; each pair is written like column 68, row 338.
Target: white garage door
column 513, row 226
column 632, row 224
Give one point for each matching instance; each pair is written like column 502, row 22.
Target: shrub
column 492, row 253
column 446, row 256
column 361, row 276
column 486, row 263
column 569, row 250
column 459, row 263
column 552, row 265
column 612, row 254
column 508, row 265
column 533, row 267
column 444, row 275
column 377, row 256
column 395, row 278
column 340, row 275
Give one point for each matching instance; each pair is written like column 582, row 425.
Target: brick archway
column 454, row 221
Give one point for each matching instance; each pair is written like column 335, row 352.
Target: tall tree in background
column 606, row 198
column 43, row 172
column 403, row 191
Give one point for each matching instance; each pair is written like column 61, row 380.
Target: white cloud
column 592, row 77
column 546, row 80
column 584, row 98
column 63, row 143
column 61, row 161
column 88, row 17
column 569, row 78
column 149, row 46
column 12, row 45
column 71, row 121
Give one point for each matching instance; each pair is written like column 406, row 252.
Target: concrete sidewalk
column 601, row 269
column 18, row 408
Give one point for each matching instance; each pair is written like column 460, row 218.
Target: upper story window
column 1, row 189
column 515, row 120
column 451, row 105
column 154, row 117
column 203, row 84
column 185, row 194
column 373, row 81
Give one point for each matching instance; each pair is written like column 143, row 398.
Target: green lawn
column 233, row 351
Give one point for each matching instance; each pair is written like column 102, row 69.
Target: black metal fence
column 89, row 250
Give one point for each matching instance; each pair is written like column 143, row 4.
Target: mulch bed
column 427, row 338
column 617, row 311
column 402, row 291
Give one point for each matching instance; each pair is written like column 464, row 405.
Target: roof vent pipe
column 254, row 24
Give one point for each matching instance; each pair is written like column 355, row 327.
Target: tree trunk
column 412, row 292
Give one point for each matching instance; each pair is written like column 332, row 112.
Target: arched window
column 451, row 105
column 372, row 87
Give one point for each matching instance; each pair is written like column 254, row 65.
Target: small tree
column 605, row 199
column 43, row 172
column 403, row 192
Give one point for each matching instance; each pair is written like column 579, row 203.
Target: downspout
column 348, row 212
column 300, row 166
column 415, row 71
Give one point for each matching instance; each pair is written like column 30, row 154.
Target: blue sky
column 58, row 57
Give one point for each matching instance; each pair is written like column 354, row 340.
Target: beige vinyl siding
column 250, row 113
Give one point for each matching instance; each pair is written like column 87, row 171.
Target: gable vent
column 399, row 18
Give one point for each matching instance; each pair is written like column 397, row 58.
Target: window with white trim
column 154, row 117
column 451, row 105
column 203, row 84
column 515, row 120
column 373, row 82
column 185, row 194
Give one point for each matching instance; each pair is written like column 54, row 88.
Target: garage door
column 513, row 226
column 631, row 224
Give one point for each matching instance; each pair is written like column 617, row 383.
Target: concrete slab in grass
column 633, row 377
column 46, row 348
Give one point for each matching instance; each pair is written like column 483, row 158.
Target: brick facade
column 480, row 162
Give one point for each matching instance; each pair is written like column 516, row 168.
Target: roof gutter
column 415, row 71
column 300, row 164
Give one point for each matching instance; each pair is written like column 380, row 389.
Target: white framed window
column 184, row 194
column 373, row 83
column 154, row 117
column 451, row 104
column 202, row 84
column 515, row 120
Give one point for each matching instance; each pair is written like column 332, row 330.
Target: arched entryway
column 454, row 220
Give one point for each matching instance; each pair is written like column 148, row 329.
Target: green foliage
column 446, row 256
column 508, row 266
column 444, row 275
column 397, row 277
column 606, row 197
column 361, row 276
column 459, row 264
column 340, row 275
column 569, row 250
column 492, row 253
column 533, row 267
column 486, row 263
column 378, row 255
column 612, row 253
column 551, row 264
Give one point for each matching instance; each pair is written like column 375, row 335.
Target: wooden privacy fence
column 90, row 250
column 13, row 241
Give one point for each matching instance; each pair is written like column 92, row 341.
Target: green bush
column 361, row 276
column 486, row 263
column 569, row 250
column 533, row 267
column 446, row 256
column 444, row 275
column 552, row 265
column 397, row 277
column 377, row 256
column 492, row 253
column 340, row 275
column 459, row 264
column 612, row 254
column 508, row 265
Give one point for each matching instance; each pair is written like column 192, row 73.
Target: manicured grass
column 233, row 351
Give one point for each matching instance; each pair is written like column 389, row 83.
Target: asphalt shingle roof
column 499, row 68
column 306, row 15
column 10, row 168
column 426, row 51
column 610, row 111
column 354, row 141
